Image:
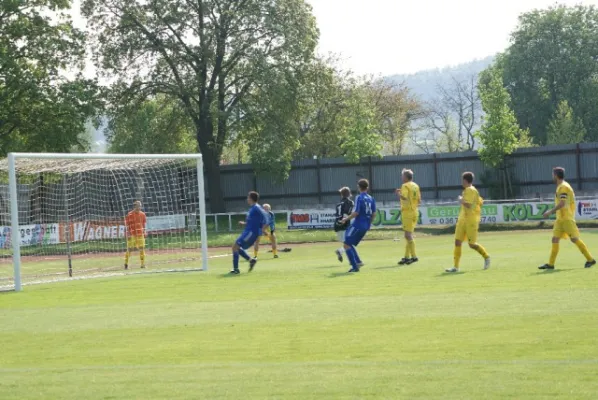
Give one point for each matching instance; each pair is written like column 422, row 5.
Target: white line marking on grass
column 301, row 364
column 9, row 288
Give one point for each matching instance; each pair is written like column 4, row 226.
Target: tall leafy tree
column 40, row 109
column 553, row 58
column 500, row 134
column 157, row 125
column 565, row 127
column 207, row 54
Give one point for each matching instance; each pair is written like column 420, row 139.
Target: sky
column 389, row 37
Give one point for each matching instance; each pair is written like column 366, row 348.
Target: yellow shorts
column 467, row 231
column 267, row 233
column 409, row 223
column 136, row 242
column 565, row 229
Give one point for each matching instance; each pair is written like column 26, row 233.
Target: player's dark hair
column 468, row 176
column 345, row 192
column 254, row 196
column 363, row 184
column 408, row 174
column 559, row 172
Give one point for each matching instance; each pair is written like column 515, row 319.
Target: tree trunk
column 211, row 160
column 212, row 169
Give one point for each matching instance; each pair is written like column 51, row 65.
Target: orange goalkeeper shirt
column 135, row 222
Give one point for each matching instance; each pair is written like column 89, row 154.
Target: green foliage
column 41, row 110
column 359, row 137
column 500, row 134
column 157, row 125
column 341, row 115
column 565, row 127
column 207, row 55
column 552, row 59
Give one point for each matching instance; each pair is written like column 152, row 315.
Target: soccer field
column 301, row 328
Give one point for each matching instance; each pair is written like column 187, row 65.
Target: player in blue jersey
column 362, row 216
column 254, row 225
column 268, row 232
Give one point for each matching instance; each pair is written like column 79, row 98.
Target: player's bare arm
column 561, row 205
column 373, row 217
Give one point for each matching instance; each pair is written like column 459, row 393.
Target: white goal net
column 71, row 214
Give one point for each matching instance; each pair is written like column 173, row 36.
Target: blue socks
column 236, row 260
column 244, row 254
column 236, row 254
column 353, row 257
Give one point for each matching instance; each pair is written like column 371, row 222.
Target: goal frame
column 14, row 206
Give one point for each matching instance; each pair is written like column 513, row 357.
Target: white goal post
column 66, row 207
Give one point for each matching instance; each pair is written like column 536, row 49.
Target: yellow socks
column 457, row 256
column 584, row 250
column 411, row 246
column 408, row 249
column 482, row 251
column 142, row 257
column 274, row 252
column 553, row 253
column 255, row 251
column 127, row 255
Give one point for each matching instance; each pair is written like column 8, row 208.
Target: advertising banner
column 31, row 235
column 447, row 214
column 165, row 223
column 109, row 230
column 311, row 219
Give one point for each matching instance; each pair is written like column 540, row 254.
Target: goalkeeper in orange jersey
column 468, row 222
column 410, row 197
column 565, row 225
column 135, row 222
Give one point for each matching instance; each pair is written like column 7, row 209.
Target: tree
column 359, row 136
column 552, row 58
column 439, row 133
column 565, row 128
column 157, row 125
column 40, row 109
column 395, row 111
column 462, row 99
column 207, row 54
column 500, row 134
column 323, row 102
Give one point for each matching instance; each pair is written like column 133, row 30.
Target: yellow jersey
column 472, row 214
column 410, row 191
column 564, row 191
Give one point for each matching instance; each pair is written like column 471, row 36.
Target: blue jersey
column 365, row 206
column 256, row 219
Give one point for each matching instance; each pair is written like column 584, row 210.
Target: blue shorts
column 353, row 236
column 247, row 239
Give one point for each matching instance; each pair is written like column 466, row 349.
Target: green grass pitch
column 301, row 328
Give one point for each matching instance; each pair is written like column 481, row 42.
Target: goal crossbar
column 10, row 166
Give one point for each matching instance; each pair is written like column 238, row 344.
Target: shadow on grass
column 550, row 272
column 340, row 274
column 443, row 274
column 389, row 267
column 229, row 275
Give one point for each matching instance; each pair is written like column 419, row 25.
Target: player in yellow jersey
column 565, row 225
column 410, row 197
column 469, row 222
